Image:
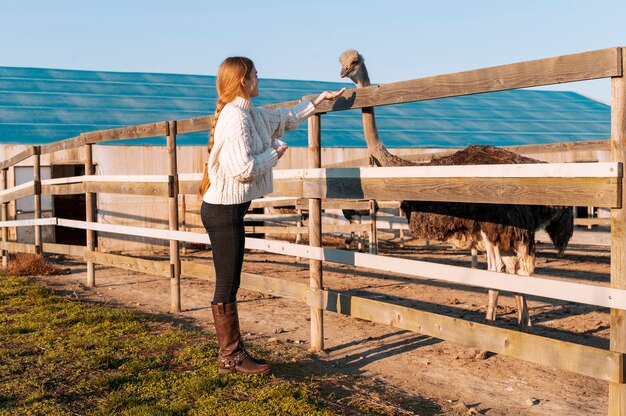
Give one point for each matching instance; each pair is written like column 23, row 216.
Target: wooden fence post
column 373, row 233
column 315, row 233
column 173, row 218
column 299, row 223
column 37, row 195
column 183, row 222
column 373, row 243
column 90, row 217
column 617, row 391
column 4, row 210
column 401, row 232
column 474, row 253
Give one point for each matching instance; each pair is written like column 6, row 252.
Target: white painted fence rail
column 548, row 288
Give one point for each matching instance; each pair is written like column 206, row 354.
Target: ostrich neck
column 377, row 149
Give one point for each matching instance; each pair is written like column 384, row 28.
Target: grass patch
column 59, row 356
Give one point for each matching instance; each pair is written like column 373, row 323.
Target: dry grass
column 29, row 265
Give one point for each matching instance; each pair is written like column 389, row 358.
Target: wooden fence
column 592, row 184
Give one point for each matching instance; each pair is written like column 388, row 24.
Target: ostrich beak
column 344, row 72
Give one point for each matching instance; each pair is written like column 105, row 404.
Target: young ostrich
column 505, row 232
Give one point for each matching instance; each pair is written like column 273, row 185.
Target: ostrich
column 505, row 232
column 355, row 216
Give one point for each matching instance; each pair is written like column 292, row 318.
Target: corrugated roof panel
column 39, row 105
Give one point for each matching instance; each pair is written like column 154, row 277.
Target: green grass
column 60, row 356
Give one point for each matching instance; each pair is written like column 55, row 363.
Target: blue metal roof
column 45, row 105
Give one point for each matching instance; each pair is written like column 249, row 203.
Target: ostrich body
column 505, row 232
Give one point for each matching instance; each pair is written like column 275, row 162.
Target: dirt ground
column 379, row 367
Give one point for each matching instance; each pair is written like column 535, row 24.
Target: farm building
column 40, row 106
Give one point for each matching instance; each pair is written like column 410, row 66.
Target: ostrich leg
column 511, row 262
column 493, row 294
column 525, row 267
column 523, row 318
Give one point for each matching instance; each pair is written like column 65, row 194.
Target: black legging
column 224, row 223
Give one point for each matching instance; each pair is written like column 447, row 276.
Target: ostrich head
column 353, row 67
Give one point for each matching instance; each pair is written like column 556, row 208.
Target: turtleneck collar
column 242, row 103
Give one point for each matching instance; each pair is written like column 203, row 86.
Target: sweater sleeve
column 285, row 119
column 236, row 157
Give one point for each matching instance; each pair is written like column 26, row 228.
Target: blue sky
column 302, row 40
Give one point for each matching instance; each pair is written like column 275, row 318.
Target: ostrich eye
column 356, row 61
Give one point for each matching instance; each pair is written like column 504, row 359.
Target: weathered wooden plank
column 342, row 228
column 152, row 267
column 188, row 187
column 598, row 192
column 192, row 125
column 617, row 336
column 70, row 143
column 388, row 204
column 303, row 203
column 533, row 170
column 128, row 188
column 90, row 213
column 272, row 217
column 567, row 68
column 249, row 281
column 66, row 249
column 18, row 247
column 592, row 221
column 274, row 202
column 289, row 187
column 63, row 189
column 29, row 222
column 173, row 217
column 593, row 362
column 122, row 133
column 37, row 194
column 199, row 238
column 23, row 155
column 314, row 157
column 17, row 192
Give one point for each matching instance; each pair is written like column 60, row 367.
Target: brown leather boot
column 233, row 358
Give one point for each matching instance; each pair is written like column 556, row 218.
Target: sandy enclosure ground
column 381, row 366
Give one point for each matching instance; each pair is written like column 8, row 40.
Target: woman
column 242, row 153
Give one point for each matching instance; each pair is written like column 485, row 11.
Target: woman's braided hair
column 230, row 77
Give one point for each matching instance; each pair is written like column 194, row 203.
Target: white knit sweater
column 242, row 158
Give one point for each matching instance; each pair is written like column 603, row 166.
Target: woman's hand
column 281, row 150
column 331, row 96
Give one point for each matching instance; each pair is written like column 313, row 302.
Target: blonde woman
column 242, row 152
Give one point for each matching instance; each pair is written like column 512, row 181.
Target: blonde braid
column 218, row 110
column 206, row 182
